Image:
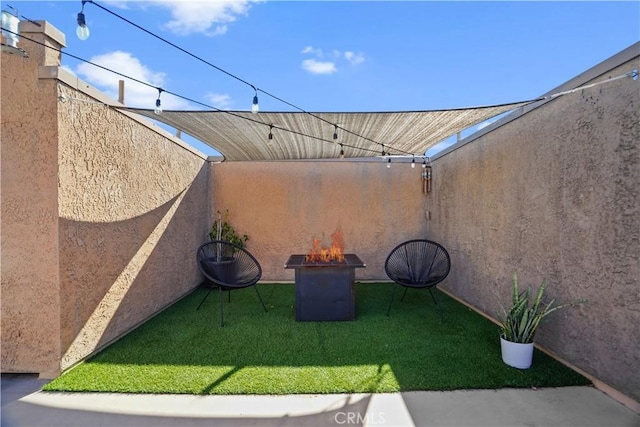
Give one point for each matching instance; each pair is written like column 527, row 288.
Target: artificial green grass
column 184, row 350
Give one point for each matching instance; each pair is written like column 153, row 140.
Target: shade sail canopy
column 244, row 136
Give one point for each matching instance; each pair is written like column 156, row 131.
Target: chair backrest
column 418, row 263
column 227, row 264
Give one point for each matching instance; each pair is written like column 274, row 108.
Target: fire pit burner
column 350, row 260
column 325, row 291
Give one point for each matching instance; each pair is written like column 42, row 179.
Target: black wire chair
column 227, row 266
column 417, row 263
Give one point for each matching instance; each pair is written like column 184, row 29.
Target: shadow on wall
column 116, row 275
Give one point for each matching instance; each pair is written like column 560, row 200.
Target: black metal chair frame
column 227, row 266
column 417, row 263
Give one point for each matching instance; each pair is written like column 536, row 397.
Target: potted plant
column 223, row 264
column 518, row 324
column 223, row 230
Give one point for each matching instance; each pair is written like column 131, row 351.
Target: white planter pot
column 516, row 354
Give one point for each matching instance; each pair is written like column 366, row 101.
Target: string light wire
column 238, row 78
column 631, row 74
column 160, row 90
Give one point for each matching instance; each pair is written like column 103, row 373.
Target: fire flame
column 321, row 253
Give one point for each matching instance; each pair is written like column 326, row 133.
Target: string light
column 413, row 162
column 82, row 31
column 191, row 100
column 255, row 107
column 158, row 109
column 341, row 152
column 270, row 133
column 335, row 131
column 389, row 163
column 633, row 75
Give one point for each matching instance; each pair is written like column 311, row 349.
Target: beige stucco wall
column 555, row 195
column 131, row 204
column 30, row 292
column 101, row 216
column 281, row 206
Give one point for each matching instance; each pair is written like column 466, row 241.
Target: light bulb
column 413, row 163
column 424, row 164
column 270, row 132
column 389, row 163
column 341, row 152
column 82, row 31
column 255, row 107
column 158, row 109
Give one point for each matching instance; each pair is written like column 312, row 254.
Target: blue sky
column 341, row 56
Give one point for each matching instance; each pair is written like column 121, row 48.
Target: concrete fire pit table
column 325, row 291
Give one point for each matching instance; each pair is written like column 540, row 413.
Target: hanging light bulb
column 82, row 31
column 389, row 163
column 383, row 153
column 424, row 163
column 413, row 163
column 158, row 109
column 341, row 152
column 270, row 134
column 255, row 107
column 335, row 131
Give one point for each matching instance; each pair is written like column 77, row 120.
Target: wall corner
column 49, row 41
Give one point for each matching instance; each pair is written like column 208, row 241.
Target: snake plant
column 520, row 322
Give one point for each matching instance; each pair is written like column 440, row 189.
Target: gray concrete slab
column 23, row 404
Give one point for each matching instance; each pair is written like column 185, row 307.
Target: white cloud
column 319, row 67
column 353, row 58
column 136, row 94
column 219, row 100
column 312, row 50
column 207, row 17
column 328, row 67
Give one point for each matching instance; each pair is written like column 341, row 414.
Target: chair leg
column 221, row 306
column 405, row 292
column 260, row 298
column 205, row 297
column 438, row 305
column 392, row 295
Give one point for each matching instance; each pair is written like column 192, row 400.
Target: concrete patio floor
column 23, row 404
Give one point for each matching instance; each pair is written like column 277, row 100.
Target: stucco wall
column 101, row 216
column 30, row 305
column 555, row 195
column 133, row 209
column 281, row 206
